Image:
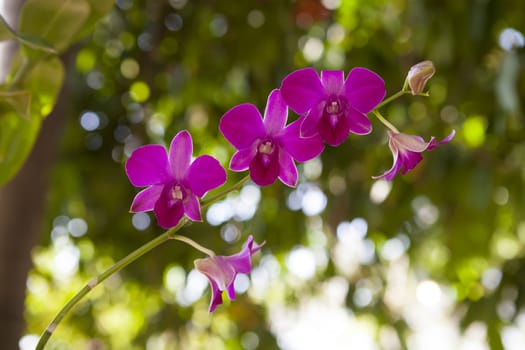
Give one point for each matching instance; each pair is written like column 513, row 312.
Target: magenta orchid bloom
column 406, row 150
column 334, row 106
column 174, row 182
column 222, row 270
column 267, row 147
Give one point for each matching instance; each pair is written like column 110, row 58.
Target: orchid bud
column 419, row 74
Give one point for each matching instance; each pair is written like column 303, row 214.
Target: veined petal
column 204, row 174
column 333, row 81
column 433, row 144
column 276, row 113
column 216, row 297
column 391, row 173
column 334, row 134
column 310, row 123
column 358, row 123
column 409, row 142
column 241, row 159
column 263, row 172
column 181, row 150
column 145, row 200
column 300, row 148
column 302, row 89
column 364, row 89
column 409, row 160
column 168, row 211
column 148, row 165
column 242, row 125
column 231, row 290
column 396, row 166
column 288, row 171
column 192, row 208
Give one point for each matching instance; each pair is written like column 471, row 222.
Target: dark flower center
column 333, row 110
column 178, row 193
column 266, row 147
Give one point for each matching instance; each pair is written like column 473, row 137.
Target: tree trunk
column 21, row 211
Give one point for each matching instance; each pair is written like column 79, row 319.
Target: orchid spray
column 329, row 106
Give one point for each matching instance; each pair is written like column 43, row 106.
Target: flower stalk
column 133, row 256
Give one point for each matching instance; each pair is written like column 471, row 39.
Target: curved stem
column 119, row 265
column 194, row 244
column 392, row 98
column 385, row 122
column 208, row 201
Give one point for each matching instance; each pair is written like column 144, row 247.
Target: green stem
column 194, row 244
column 205, row 203
column 169, row 234
column 392, row 98
column 385, row 122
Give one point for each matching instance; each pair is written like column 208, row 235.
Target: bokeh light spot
column 139, row 91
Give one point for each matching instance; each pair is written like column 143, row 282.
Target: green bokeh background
column 152, row 68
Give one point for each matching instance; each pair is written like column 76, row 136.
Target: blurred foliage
column 152, row 68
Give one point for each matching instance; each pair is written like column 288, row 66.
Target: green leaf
column 17, row 136
column 6, row 32
column 44, row 81
column 15, row 101
column 37, row 43
column 55, row 21
column 99, row 9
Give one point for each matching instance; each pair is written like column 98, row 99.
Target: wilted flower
column 267, row 146
column 334, row 106
column 222, row 270
column 175, row 182
column 406, row 150
column 419, row 74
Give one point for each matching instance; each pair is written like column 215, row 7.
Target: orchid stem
column 385, row 122
column 194, row 244
column 169, row 234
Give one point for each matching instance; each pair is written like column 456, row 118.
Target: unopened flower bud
column 419, row 74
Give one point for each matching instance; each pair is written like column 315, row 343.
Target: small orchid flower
column 418, row 75
column 222, row 270
column 406, row 150
column 267, row 147
column 334, row 106
column 174, row 182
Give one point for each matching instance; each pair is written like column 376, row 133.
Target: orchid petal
column 302, row 90
column 204, row 174
column 181, row 150
column 264, row 173
column 300, row 148
column 288, row 171
column 145, row 200
column 410, row 142
column 276, row 113
column 333, row 81
column 148, row 165
column 364, row 89
column 242, row 125
column 358, row 123
column 167, row 211
column 216, row 296
column 192, row 208
column 231, row 290
column 241, row 159
column 409, row 160
column 336, row 134
column 432, row 144
column 310, row 123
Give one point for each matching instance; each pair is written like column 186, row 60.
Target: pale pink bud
column 419, row 74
